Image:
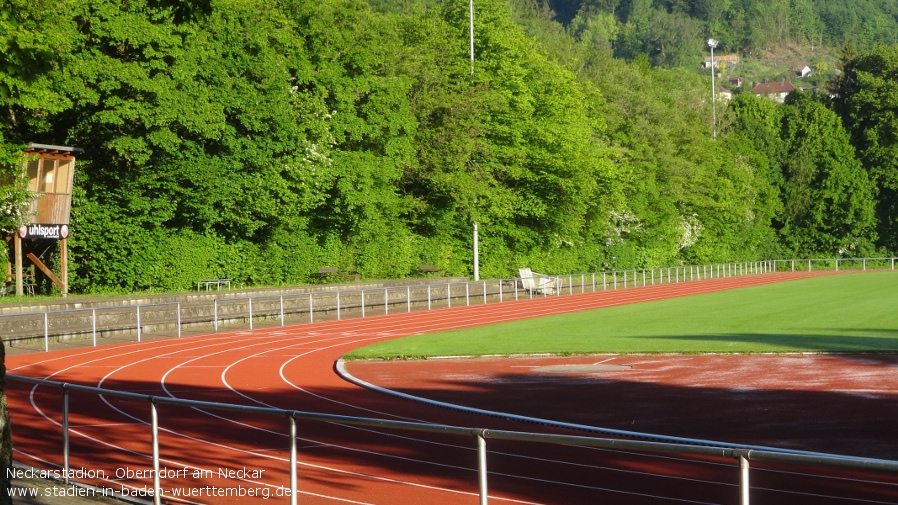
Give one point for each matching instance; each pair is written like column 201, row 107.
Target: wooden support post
column 18, row 246
column 64, row 259
column 49, row 273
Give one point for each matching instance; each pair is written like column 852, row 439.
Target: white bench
column 539, row 283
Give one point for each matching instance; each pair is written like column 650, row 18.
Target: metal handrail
column 449, row 292
column 744, row 454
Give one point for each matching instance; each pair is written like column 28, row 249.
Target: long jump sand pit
column 833, row 403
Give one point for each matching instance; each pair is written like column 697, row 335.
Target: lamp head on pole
column 712, row 43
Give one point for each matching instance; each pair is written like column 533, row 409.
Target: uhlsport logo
column 49, row 231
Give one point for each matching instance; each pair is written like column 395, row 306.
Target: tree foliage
column 260, row 141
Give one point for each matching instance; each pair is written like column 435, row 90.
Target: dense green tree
column 866, row 97
column 260, row 141
column 827, row 197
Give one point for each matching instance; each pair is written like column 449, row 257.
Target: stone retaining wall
column 83, row 317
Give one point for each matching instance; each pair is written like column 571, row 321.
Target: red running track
column 223, row 457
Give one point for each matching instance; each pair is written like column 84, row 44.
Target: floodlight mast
column 712, row 43
column 476, row 236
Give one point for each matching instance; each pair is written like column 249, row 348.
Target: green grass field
column 842, row 313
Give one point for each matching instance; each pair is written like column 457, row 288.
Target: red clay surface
column 244, row 456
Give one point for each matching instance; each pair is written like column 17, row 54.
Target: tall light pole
column 476, row 236
column 712, row 43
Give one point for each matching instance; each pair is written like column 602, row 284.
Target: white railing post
column 338, row 305
column 179, row 319
column 93, row 317
column 157, row 486
column 293, row 460
column 215, row 314
column 448, row 295
column 743, row 480
column 386, row 301
column 311, row 310
column 408, row 298
column 484, row 292
column 481, row 468
column 138, row 323
column 362, row 292
column 467, row 294
column 282, row 310
column 249, row 305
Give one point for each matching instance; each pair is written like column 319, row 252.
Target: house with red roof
column 774, row 90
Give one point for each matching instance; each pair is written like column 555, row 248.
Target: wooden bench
column 334, row 272
column 429, row 269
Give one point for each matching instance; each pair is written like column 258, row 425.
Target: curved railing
column 744, row 454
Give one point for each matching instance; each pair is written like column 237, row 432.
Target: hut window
column 32, row 172
column 48, row 174
column 63, row 174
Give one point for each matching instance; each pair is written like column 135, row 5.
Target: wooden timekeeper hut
column 50, row 171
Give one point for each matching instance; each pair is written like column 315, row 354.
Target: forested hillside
column 260, row 140
column 665, row 30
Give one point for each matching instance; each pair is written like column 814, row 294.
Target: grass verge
column 843, row 313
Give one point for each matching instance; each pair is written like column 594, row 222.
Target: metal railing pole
column 362, row 292
column 157, row 486
column 215, row 314
column 249, row 305
column 484, row 292
column 179, row 319
column 311, row 310
column 449, row 296
column 743, row 480
column 138, row 323
column 408, row 298
column 467, row 294
column 386, row 301
column 338, row 305
column 282, row 310
column 293, row 460
column 93, row 317
column 46, row 332
column 481, row 468
column 428, row 297
column 65, row 432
